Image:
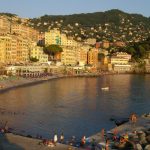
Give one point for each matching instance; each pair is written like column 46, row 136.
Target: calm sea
column 74, row 106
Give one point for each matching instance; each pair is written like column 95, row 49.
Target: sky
column 37, row 8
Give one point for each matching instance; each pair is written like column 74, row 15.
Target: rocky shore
column 136, row 136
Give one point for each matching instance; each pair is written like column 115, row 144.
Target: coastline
column 8, row 84
column 21, row 82
column 10, row 141
column 18, row 142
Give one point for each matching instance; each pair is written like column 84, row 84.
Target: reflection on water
column 75, row 106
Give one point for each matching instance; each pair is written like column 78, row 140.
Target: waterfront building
column 123, row 55
column 93, row 57
column 121, row 68
column 5, row 48
column 25, row 70
column 118, row 60
column 38, row 53
column 15, row 49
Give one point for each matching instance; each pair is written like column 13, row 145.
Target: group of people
column 52, row 142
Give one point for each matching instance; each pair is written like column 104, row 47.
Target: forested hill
column 111, row 25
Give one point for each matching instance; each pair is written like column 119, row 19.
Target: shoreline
column 6, row 85
column 12, row 140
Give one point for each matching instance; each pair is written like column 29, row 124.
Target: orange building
column 93, row 57
column 105, row 44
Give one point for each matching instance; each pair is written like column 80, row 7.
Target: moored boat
column 105, row 88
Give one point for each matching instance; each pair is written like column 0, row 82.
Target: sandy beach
column 14, row 82
column 10, row 141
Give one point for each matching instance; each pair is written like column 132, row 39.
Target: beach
column 11, row 141
column 14, row 82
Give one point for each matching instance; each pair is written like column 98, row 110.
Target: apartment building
column 24, row 31
column 93, row 57
column 37, row 52
column 68, row 56
column 14, row 49
column 4, row 24
column 53, row 37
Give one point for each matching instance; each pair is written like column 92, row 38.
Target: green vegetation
column 52, row 50
column 34, row 59
column 101, row 56
column 8, row 14
column 110, row 25
column 139, row 51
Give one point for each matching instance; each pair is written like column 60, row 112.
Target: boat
column 105, row 88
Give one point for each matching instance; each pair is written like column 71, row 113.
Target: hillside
column 110, row 25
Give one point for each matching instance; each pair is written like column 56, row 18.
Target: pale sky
column 37, row 8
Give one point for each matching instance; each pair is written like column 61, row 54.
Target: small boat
column 105, row 88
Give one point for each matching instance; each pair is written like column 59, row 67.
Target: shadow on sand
column 5, row 144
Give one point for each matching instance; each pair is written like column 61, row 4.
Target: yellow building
column 25, row 31
column 15, row 49
column 68, row 56
column 2, row 51
column 5, row 48
column 37, row 52
column 105, row 44
column 93, row 57
column 4, row 23
column 123, row 55
column 53, row 37
column 118, row 60
column 82, row 51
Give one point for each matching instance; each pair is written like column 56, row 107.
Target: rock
column 139, row 147
column 143, row 142
column 148, row 138
column 147, row 147
column 147, row 132
column 141, row 134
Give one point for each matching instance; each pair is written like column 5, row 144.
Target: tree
column 52, row 50
column 101, row 56
column 142, row 51
column 34, row 59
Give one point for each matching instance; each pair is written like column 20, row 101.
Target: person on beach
column 133, row 119
column 103, row 133
column 55, row 139
column 115, row 132
column 93, row 144
column 62, row 138
column 107, row 145
column 83, row 141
